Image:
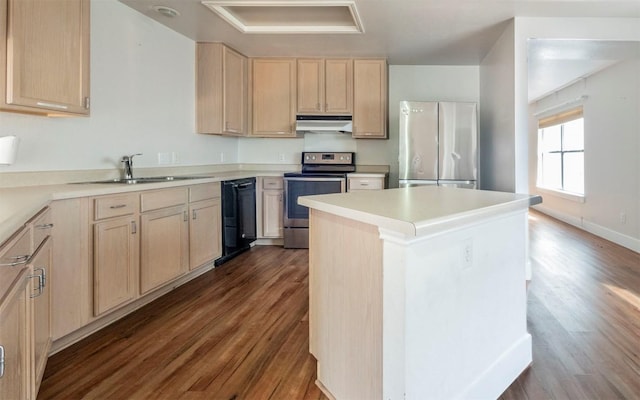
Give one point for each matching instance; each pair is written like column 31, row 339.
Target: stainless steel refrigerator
column 438, row 144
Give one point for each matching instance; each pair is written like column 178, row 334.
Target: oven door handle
column 315, row 179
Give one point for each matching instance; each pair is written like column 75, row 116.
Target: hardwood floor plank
column 241, row 331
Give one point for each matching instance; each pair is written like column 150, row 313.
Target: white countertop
column 417, row 211
column 19, row 204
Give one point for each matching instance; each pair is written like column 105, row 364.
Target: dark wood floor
column 241, row 331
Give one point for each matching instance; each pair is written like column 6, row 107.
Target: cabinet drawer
column 17, row 250
column 272, row 183
column 42, row 225
column 162, row 199
column 115, row 206
column 365, row 184
column 204, row 192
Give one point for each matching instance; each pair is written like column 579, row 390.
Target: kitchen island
column 418, row 293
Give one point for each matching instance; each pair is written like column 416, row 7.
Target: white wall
column 612, row 145
column 142, row 100
column 602, row 217
column 497, row 124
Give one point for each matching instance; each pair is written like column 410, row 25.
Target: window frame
column 559, row 119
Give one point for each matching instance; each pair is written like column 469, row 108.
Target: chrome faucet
column 128, row 165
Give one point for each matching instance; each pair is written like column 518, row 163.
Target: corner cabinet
column 273, row 97
column 44, row 56
column 369, row 98
column 221, row 90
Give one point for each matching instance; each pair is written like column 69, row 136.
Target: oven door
column 297, row 216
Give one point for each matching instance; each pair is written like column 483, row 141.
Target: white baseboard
column 598, row 230
column 507, row 368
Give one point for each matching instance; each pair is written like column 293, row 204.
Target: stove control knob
column 313, row 157
column 341, row 158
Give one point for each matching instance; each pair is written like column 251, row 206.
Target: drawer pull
column 134, row 228
column 1, row 361
column 44, row 226
column 17, row 260
column 52, row 105
column 118, row 206
column 44, row 276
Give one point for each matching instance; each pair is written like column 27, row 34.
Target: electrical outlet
column 623, row 217
column 165, row 158
column 221, row 157
column 281, row 157
column 467, row 254
column 174, row 157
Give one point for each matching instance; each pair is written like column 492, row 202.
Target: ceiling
column 407, row 32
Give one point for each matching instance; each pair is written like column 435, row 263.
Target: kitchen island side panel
column 396, row 316
column 345, row 305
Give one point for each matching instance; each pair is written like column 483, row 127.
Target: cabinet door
column 72, row 291
column 205, row 231
column 41, row 274
column 115, row 262
column 273, row 97
column 47, row 61
column 14, row 343
column 370, row 98
column 234, row 102
column 272, row 213
column 310, row 86
column 338, row 86
column 164, row 246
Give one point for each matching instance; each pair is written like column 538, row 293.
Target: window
column 561, row 152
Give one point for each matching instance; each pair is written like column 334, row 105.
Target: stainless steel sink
column 151, row 179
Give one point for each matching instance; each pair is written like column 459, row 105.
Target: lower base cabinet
column 115, row 263
column 164, row 246
column 40, row 294
column 14, row 343
column 204, row 227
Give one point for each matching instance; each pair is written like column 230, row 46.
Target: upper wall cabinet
column 370, row 98
column 273, row 97
column 44, row 56
column 221, row 90
column 325, row 86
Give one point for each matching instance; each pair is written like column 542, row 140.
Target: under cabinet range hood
column 323, row 123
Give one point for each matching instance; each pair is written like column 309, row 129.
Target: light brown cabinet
column 325, row 86
column 357, row 182
column 205, row 226
column 14, row 334
column 115, row 251
column 369, row 99
column 72, row 304
column 273, row 97
column 164, row 237
column 221, row 90
column 44, row 56
column 115, row 263
column 41, row 271
column 272, row 207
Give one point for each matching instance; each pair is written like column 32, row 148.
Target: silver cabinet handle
column 194, row 214
column 185, row 216
column 44, row 226
column 44, row 276
column 18, row 260
column 134, row 228
column 39, row 288
column 1, row 361
column 118, row 206
column 52, row 105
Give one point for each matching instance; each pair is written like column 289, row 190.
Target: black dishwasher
column 238, row 217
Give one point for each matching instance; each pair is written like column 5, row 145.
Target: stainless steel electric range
column 322, row 173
